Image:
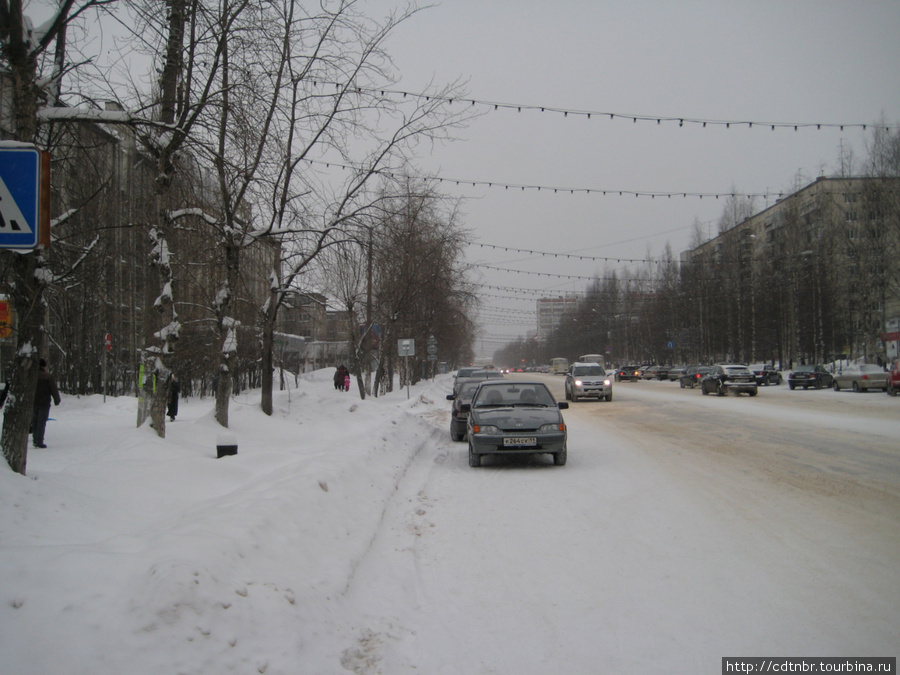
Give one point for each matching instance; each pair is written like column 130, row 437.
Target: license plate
column 519, row 441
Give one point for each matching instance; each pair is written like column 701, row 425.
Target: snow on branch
column 183, row 213
column 170, row 331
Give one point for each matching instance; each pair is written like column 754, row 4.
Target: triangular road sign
column 11, row 218
column 21, row 191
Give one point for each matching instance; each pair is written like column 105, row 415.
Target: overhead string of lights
column 538, row 274
column 589, row 114
column 532, row 292
column 569, row 256
column 522, row 187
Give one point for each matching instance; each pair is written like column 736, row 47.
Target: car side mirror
column 451, row 397
column 563, row 405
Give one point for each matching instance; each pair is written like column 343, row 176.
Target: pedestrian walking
column 347, row 380
column 44, row 391
column 339, row 377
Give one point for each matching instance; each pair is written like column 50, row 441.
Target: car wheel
column 791, row 386
column 474, row 459
column 559, row 458
column 609, row 397
column 574, row 396
column 835, row 385
column 455, row 434
column 753, row 392
column 703, row 390
column 891, row 390
column 720, row 390
column 856, row 387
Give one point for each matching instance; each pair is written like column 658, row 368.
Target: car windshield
column 465, row 372
column 588, row 370
column 512, row 394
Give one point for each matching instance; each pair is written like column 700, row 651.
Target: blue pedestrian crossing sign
column 20, row 196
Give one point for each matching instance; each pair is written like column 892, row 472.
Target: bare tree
column 335, row 133
column 22, row 48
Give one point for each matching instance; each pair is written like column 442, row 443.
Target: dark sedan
column 692, row 376
column 809, row 376
column 728, row 378
column 458, row 418
column 628, row 374
column 475, row 376
column 515, row 418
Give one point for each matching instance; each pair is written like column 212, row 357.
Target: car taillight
column 865, row 377
column 697, row 376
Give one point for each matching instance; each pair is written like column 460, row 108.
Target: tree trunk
column 267, row 364
column 27, row 298
column 269, row 315
column 223, row 394
column 28, row 287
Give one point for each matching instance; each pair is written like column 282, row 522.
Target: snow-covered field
column 351, row 536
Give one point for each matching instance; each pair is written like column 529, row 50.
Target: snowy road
column 684, row 528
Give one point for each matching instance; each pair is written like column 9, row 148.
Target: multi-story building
column 813, row 277
column 550, row 312
column 104, row 208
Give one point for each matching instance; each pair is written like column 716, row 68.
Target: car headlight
column 607, row 382
column 553, row 427
column 577, row 383
column 485, row 429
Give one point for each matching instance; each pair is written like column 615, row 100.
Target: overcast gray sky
column 784, row 61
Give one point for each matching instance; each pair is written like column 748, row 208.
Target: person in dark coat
column 44, row 391
column 174, row 391
column 339, row 375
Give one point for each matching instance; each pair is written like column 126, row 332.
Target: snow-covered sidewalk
column 123, row 552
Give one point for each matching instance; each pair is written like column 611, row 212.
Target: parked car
column 766, row 374
column 588, row 380
column 458, row 418
column 508, row 417
column 628, row 374
column 861, row 378
column 652, row 372
column 893, row 378
column 465, row 371
column 725, row 378
column 692, row 375
column 477, row 376
column 809, row 376
column 675, row 373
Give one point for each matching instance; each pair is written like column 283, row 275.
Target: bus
column 559, row 366
column 591, row 358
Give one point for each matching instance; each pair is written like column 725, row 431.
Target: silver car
column 588, row 380
column 508, row 417
column 861, row 378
